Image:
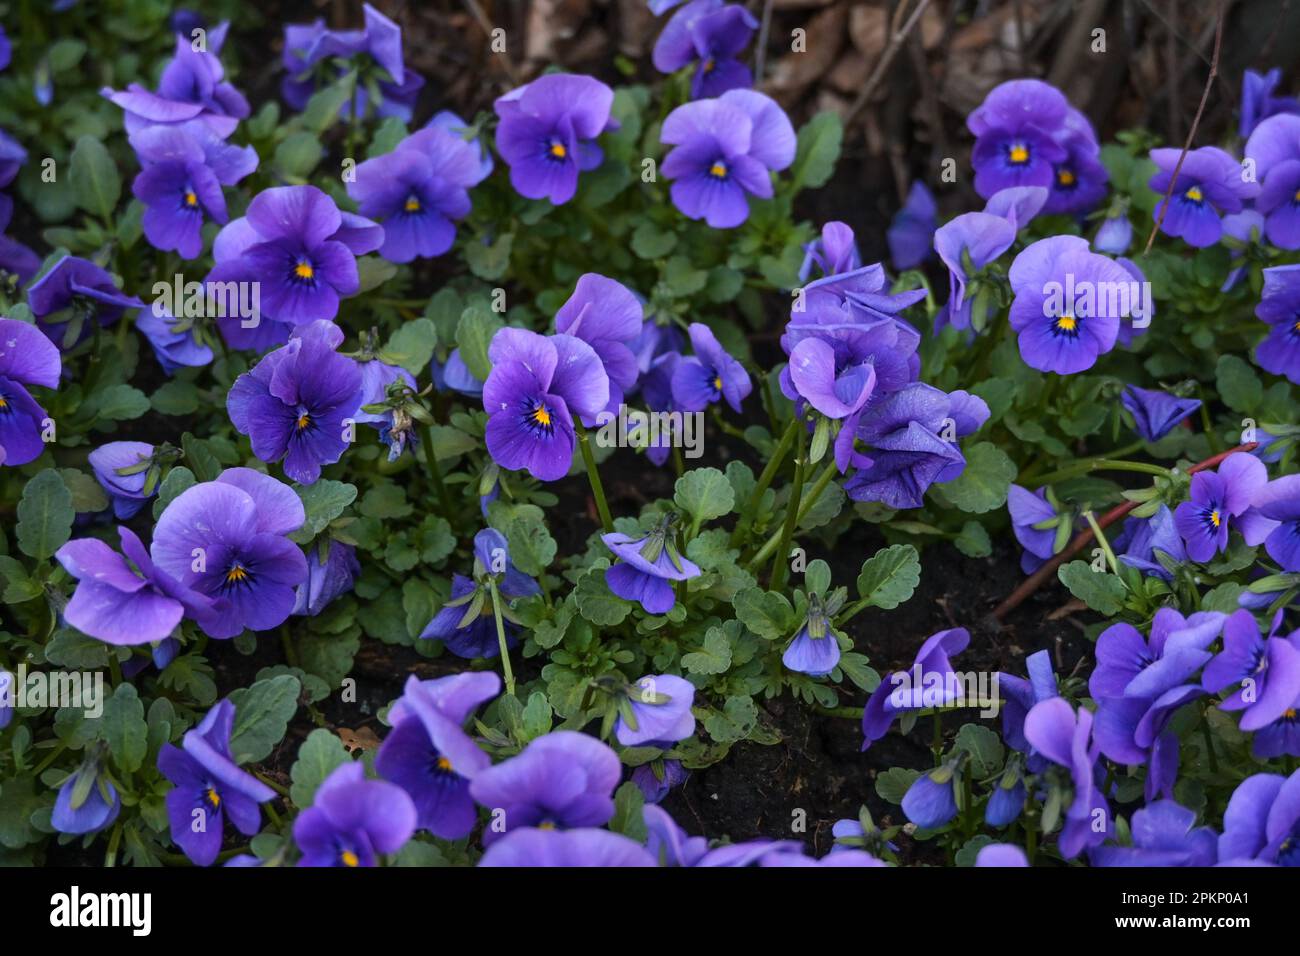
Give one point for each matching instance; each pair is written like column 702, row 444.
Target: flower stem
column 936, row 742
column 1037, row 479
column 278, row 788
column 501, row 638
column 1100, row 464
column 593, row 476
column 810, row 499
column 286, row 641
column 1209, row 742
column 1100, row 535
column 435, row 473
column 781, row 560
column 764, row 482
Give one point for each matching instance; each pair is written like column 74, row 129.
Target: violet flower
column 834, row 251
column 1276, row 514
column 1274, row 148
column 1281, row 738
column 418, row 191
column 15, row 258
column 26, row 358
column 709, row 34
column 534, row 383
column 1258, row 102
column 87, row 800
column 180, row 184
column 1262, row 822
column 656, row 712
column 931, row 682
column 1066, row 739
column 1156, row 413
column 1210, row 183
column 1037, row 525
column 72, row 296
column 332, row 569
column 7, row 695
column 466, row 623
column 1021, row 695
column 1016, row 130
column 648, row 566
column 1115, row 235
column 547, row 130
column 127, row 471
column 1279, row 306
column 192, row 87
column 710, row 374
column 658, row 777
column 12, row 158
column 125, row 604
column 1217, row 497
column 301, row 250
column 1164, row 834
column 911, row 231
column 1151, row 537
column 561, row 780
column 1267, row 670
column 725, row 150
column 1001, row 855
column 1062, row 312
column 207, row 787
column 582, row 847
column 175, row 343
column 931, row 800
column 429, row 756
column 815, row 650
column 299, row 403
column 607, row 316
column 352, row 821
column 227, row 539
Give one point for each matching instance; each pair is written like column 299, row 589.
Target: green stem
column 278, row 788
column 114, row 667
column 781, row 561
column 936, row 742
column 53, row 756
column 286, row 641
column 810, row 499
column 501, row 638
column 1209, row 743
column 435, row 473
column 114, row 841
column 593, row 476
column 1101, row 464
column 764, row 482
column 1037, row 478
column 1100, row 535
column 852, row 713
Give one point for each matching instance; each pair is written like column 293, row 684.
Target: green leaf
column 651, row 242
column 817, row 577
column 893, row 784
column 736, row 720
column 297, row 155
column 765, row 613
column 1238, row 385
column 93, row 177
column 489, row 261
column 713, row 658
column 974, row 541
column 984, row 747
column 200, row 459
column 45, row 515
column 320, row 755
column 854, row 666
column 120, row 403
column 474, row 333
column 18, row 586
column 817, row 152
column 262, row 715
column 983, row 484
column 1100, row 590
column 323, row 501
column 628, row 818
column 704, row 494
column 597, row 603
column 123, row 727
column 1222, row 598
column 532, row 549
column 175, row 398
column 889, row 577
column 178, row 479
column 87, row 494
column 386, row 500
column 412, row 346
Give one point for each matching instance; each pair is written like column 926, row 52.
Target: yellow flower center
column 1194, row 194
column 1296, row 197
column 708, row 65
column 236, row 574
column 5, row 404
column 444, row 764
column 717, row 383
column 1065, row 177
column 1067, row 323
column 558, row 150
column 303, row 270
column 213, row 798
column 412, row 205
column 546, row 825
column 303, row 421
column 542, row 415
column 190, row 198
column 718, row 171
column 349, row 858
column 1018, row 154
column 1289, row 713
column 1215, row 519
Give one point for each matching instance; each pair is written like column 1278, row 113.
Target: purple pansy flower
column 418, row 191
column 1020, row 697
column 26, row 358
column 121, row 603
column 833, row 252
column 299, row 403
column 1063, row 310
column 301, row 250
column 546, row 133
column 561, row 780
column 429, row 756
column 710, row 374
column 582, row 847
column 466, row 622
column 607, row 316
column 929, row 683
column 1151, row 537
column 931, row 800
column 1164, row 834
column 1279, row 306
column 1036, row 524
column 725, row 150
column 911, row 231
column 175, row 342
column 1156, row 413
column 352, row 821
column 657, row 713
column 1016, row 130
column 1001, row 855
column 1216, row 498
column 647, row 566
column 332, row 569
column 15, row 258
column 1007, row 799
column 1080, row 179
column 207, row 787
column 227, row 539
column 1066, row 739
column 1209, row 184
column 536, row 384
column 1274, row 148
column 72, row 296
column 1267, row 670
column 1275, row 519
column 1115, row 235
column 1258, row 102
column 658, row 777
column 1281, row 738
column 122, row 469
column 710, row 34
column 180, row 184
column 192, row 87
column 6, row 698
column 87, row 800
column 1262, row 822
column 815, row 650
column 12, row 158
